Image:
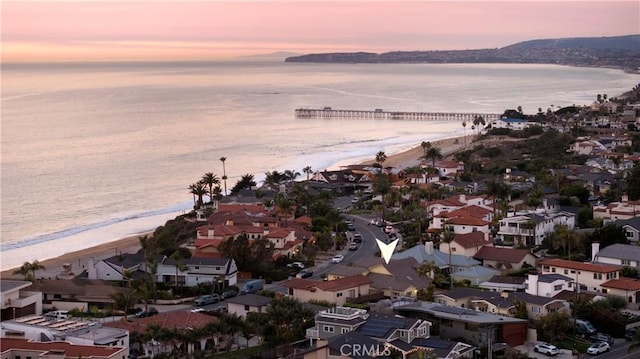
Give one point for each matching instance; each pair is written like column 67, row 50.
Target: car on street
column 299, row 265
column 351, row 227
column 601, row 337
column 197, row 310
column 357, row 237
column 546, row 348
column 598, row 348
column 353, row 246
column 229, row 294
column 305, row 273
column 150, row 312
column 207, row 299
column 337, row 258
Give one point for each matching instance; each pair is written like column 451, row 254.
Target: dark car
column 630, row 334
column 601, row 337
column 229, row 294
column 305, row 273
column 148, row 313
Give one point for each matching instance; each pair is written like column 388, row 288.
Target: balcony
column 312, row 333
column 516, row 231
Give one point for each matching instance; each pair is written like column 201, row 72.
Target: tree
column 554, row 325
column 381, row 158
column 210, row 180
column 124, row 300
column 521, row 310
column 247, row 181
column 198, row 190
column 308, row 171
column 434, row 154
column 447, row 237
column 224, row 173
column 633, row 184
column 478, row 120
column 28, row 270
column 287, row 321
column 177, row 258
column 425, row 146
column 464, row 125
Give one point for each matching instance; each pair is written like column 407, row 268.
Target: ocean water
column 93, row 152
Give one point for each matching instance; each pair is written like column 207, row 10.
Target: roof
column 552, row 277
column 380, row 325
column 476, row 272
column 329, row 285
column 70, row 350
column 456, row 314
column 503, row 255
column 470, row 240
column 620, row 251
column 345, row 270
column 590, row 267
column 623, row 283
column 253, row 300
column 440, row 259
column 354, row 338
column 459, row 293
column 8, row 285
column 506, row 279
column 176, row 319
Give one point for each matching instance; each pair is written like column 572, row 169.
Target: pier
column 379, row 114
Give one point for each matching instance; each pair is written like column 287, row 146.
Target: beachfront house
column 193, row 271
column 17, row 301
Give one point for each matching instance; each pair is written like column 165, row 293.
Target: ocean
column 94, row 152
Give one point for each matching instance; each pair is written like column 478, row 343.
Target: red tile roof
column 177, row 319
column 70, row 350
column 470, row 221
column 470, row 240
column 623, row 283
column 590, row 267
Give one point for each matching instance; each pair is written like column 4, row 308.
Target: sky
column 162, row 30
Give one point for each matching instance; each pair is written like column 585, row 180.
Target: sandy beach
column 79, row 259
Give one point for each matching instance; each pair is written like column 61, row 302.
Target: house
column 499, row 283
column 475, row 275
column 427, row 254
column 463, row 221
column 197, row 270
column 530, row 229
column 335, row 291
column 467, row 244
column 588, row 276
column 505, row 258
column 398, row 278
column 334, row 321
column 20, row 348
column 625, row 209
column 626, row 255
column 587, row 147
column 474, row 327
column 547, row 285
column 449, row 168
column 341, row 181
column 538, row 306
column 511, row 123
column 248, row 303
column 115, row 267
column 41, row 329
column 626, row 288
column 77, row 293
column 631, row 228
column 16, row 301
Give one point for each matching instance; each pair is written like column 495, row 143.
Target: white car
column 299, row 265
column 546, row 348
column 337, row 258
column 598, row 348
column 197, row 310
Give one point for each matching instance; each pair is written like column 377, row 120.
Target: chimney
column 91, row 269
column 504, row 294
column 595, row 249
column 463, row 198
column 532, row 284
column 625, row 198
column 210, row 232
column 428, row 247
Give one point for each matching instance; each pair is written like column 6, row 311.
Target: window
column 573, row 272
column 339, row 294
column 566, row 271
column 553, row 270
column 545, row 268
column 197, row 267
column 557, row 287
column 246, row 307
column 453, row 249
column 597, row 275
column 328, row 329
column 626, row 262
column 344, row 330
column 535, row 309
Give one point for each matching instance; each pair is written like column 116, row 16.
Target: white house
column 511, row 123
column 547, row 285
column 614, row 211
column 588, row 276
column 15, row 301
column 617, row 254
column 248, row 303
column 531, row 229
column 114, row 268
column 196, row 270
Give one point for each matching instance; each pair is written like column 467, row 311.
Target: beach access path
column 79, row 259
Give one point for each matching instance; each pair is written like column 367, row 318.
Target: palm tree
column 291, row 175
column 286, row 208
column 198, row 190
column 224, row 173
column 478, row 120
column 308, row 171
column 177, row 262
column 464, row 125
column 381, row 157
column 447, row 237
column 28, row 270
column 425, row 146
column 434, row 154
column 210, row 179
column 124, row 300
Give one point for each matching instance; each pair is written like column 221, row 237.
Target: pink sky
column 56, row 30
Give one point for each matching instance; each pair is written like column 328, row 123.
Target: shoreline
column 130, row 244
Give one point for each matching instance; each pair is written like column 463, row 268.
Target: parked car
column 598, row 348
column 305, row 273
column 629, row 334
column 357, row 237
column 351, row 227
column 58, row 314
column 601, row 337
column 150, row 312
column 207, row 299
column 337, row 258
column 353, row 246
column 229, row 294
column 197, row 310
column 585, row 328
column 546, row 348
column 252, row 286
column 299, row 265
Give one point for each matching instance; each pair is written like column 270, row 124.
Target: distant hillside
column 621, row 52
column 629, row 42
